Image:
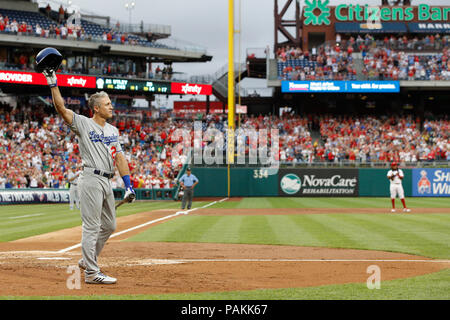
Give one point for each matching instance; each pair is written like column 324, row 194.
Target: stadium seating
column 30, row 18
column 92, row 31
column 388, row 59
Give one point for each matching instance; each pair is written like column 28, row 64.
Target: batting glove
column 130, row 194
column 50, row 75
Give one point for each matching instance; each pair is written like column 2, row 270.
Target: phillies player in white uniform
column 100, row 152
column 395, row 175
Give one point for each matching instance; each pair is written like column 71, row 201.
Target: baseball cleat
column 81, row 264
column 406, row 210
column 392, row 210
column 100, row 278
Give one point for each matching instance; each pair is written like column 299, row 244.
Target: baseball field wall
column 373, row 183
column 296, row 182
column 266, row 182
column 246, row 182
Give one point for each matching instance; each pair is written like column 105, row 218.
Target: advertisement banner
column 33, row 78
column 75, row 81
column 68, row 100
column 318, row 182
column 431, row 182
column 21, row 196
column 191, row 88
column 19, row 77
column 340, row 86
column 429, row 27
column 194, row 107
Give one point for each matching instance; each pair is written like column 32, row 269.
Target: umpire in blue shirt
column 188, row 181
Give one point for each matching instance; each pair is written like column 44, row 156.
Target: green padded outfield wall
column 245, row 182
column 374, row 183
column 255, row 182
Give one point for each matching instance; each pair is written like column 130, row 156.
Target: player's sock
column 403, row 202
column 393, row 203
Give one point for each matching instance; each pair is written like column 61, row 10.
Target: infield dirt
column 157, row 268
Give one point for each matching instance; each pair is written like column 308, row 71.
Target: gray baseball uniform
column 73, row 190
column 98, row 148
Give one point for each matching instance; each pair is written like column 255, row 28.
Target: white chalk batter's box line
column 175, row 261
column 148, row 223
column 182, row 260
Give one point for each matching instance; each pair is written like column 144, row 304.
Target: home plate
column 53, row 258
column 149, row 262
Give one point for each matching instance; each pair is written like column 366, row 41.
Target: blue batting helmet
column 48, row 58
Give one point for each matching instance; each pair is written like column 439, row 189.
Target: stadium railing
column 339, row 164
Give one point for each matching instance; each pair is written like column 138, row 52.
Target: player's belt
column 104, row 174
column 100, row 172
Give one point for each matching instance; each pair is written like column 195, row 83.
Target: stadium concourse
column 32, row 154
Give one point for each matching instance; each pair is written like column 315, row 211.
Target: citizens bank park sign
column 318, row 12
column 101, row 83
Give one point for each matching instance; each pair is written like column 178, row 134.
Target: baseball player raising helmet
column 100, row 152
column 395, row 176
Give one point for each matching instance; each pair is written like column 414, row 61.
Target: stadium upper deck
column 19, row 27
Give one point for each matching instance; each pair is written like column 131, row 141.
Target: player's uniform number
column 113, row 153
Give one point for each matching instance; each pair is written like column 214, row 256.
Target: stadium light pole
column 231, row 98
column 129, row 6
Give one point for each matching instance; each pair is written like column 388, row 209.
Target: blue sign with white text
column 431, row 182
column 341, row 86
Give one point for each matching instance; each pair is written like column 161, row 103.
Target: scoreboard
column 133, row 85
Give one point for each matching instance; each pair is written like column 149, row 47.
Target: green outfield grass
column 425, row 235
column 279, row 202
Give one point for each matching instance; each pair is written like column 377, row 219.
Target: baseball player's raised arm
column 58, row 100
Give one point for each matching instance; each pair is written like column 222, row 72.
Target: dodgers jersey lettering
column 98, row 146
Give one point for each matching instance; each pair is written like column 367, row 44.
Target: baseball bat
column 125, row 200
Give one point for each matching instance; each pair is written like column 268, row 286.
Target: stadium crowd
column 116, row 67
column 391, row 58
column 384, row 139
column 387, row 64
column 326, row 63
column 63, row 30
column 37, row 149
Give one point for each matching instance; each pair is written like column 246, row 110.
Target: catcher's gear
column 48, row 59
column 51, row 77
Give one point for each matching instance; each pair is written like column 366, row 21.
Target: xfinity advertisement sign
column 341, row 86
